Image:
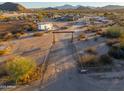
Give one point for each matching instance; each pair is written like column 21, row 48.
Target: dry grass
column 13, row 26
column 88, row 60
column 6, row 50
column 91, row 50
column 20, row 68
column 110, row 42
column 114, row 32
column 105, row 59
column 21, row 46
column 38, row 34
column 81, row 36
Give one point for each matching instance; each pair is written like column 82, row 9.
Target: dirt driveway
column 62, row 73
column 64, row 76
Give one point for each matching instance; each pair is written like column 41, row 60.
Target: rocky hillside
column 12, row 7
column 111, row 7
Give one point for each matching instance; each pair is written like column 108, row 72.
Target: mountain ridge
column 8, row 6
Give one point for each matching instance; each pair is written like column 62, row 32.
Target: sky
column 53, row 4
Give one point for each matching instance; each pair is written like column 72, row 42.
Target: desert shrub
column 8, row 36
column 113, row 32
column 81, row 36
column 122, row 41
column 93, row 28
column 91, row 50
column 18, row 31
column 91, row 60
column 112, row 41
column 6, row 50
column 1, row 35
column 88, row 60
column 17, row 35
column 2, row 69
column 105, row 59
column 63, row 28
column 116, row 53
column 96, row 38
column 38, row 34
column 100, row 33
column 121, row 46
column 30, row 27
column 31, row 76
column 20, row 67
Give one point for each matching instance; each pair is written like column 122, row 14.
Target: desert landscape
column 62, row 48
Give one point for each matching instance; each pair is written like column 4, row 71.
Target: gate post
column 53, row 38
column 72, row 37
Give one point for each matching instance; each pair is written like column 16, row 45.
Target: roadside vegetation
column 38, row 34
column 5, row 50
column 20, row 70
column 114, row 32
column 82, row 37
column 116, row 42
column 91, row 50
column 94, row 28
column 16, row 30
column 92, row 60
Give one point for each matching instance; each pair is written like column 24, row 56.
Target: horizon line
column 57, row 4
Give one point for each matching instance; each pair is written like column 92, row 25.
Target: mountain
column 50, row 8
column 66, row 7
column 8, row 6
column 82, row 7
column 72, row 7
column 108, row 7
column 111, row 7
column 12, row 7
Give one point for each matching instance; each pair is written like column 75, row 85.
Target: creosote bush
column 88, row 60
column 6, row 36
column 91, row 50
column 63, row 28
column 112, row 42
column 105, row 59
column 81, row 36
column 31, row 76
column 92, row 60
column 2, row 70
column 20, row 68
column 113, row 32
column 93, row 28
column 122, row 41
column 5, row 51
column 116, row 53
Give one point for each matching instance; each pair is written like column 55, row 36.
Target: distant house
column 45, row 26
column 101, row 19
column 96, row 19
column 67, row 18
column 56, row 16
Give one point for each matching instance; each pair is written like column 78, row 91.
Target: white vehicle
column 45, row 26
